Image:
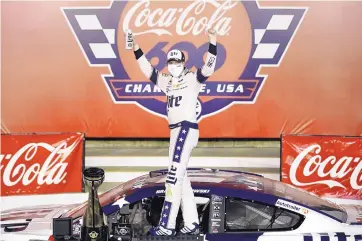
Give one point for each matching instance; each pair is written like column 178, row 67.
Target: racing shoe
column 192, row 230
column 161, row 231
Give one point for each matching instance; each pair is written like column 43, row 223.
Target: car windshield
column 287, row 191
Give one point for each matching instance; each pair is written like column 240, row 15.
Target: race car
column 232, row 205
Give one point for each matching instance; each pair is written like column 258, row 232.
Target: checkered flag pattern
column 100, row 50
column 265, row 50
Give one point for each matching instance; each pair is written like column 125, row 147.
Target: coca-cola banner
column 329, row 166
column 280, row 67
column 41, row 163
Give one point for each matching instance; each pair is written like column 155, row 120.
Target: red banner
column 41, row 163
column 329, row 166
column 287, row 73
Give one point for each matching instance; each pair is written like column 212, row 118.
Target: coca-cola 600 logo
column 250, row 37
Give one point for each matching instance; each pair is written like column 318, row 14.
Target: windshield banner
column 41, row 163
column 329, row 166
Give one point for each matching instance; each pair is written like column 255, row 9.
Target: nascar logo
column 250, row 37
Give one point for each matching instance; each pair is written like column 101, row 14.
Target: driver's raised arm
column 158, row 78
column 208, row 68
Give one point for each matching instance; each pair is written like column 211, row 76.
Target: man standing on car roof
column 182, row 88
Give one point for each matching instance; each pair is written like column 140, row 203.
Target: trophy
column 94, row 227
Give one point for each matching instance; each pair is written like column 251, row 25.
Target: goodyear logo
column 251, row 37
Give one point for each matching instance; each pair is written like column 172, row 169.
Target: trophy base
column 95, row 234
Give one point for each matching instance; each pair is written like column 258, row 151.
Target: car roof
column 199, row 177
column 203, row 179
column 206, row 176
column 237, row 180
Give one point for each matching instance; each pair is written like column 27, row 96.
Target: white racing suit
column 182, row 97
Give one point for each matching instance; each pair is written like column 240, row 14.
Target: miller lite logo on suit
column 264, row 32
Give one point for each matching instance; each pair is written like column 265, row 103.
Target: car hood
column 31, row 220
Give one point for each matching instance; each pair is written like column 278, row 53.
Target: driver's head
column 175, row 62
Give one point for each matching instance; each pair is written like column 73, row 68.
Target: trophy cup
column 94, row 227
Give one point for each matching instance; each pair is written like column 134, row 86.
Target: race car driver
column 182, row 87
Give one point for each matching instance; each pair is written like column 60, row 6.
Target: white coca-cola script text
column 50, row 171
column 341, row 169
column 183, row 18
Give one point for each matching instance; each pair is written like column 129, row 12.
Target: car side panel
column 254, row 236
column 280, row 236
